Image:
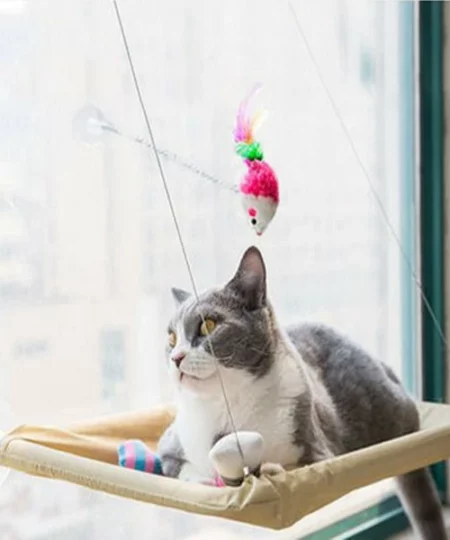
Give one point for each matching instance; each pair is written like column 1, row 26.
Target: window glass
column 88, row 249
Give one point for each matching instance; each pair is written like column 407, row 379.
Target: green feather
column 252, row 151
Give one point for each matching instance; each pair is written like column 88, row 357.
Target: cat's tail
column 420, row 500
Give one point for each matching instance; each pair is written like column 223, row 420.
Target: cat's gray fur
column 353, row 400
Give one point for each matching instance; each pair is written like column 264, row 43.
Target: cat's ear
column 180, row 295
column 249, row 282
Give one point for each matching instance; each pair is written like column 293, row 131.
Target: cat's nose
column 178, row 358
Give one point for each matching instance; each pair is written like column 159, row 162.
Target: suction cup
column 89, row 125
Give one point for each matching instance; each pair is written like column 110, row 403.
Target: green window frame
column 432, row 207
column 423, row 22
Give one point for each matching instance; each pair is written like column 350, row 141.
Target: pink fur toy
column 259, row 187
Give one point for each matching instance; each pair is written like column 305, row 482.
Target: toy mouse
column 259, row 186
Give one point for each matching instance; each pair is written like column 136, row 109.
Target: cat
column 308, row 390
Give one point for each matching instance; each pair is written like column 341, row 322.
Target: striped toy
column 136, row 455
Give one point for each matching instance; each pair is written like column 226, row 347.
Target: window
column 113, row 361
column 89, row 251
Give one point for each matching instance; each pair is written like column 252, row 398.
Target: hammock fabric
column 86, row 454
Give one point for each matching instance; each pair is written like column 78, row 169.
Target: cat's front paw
column 188, row 473
column 237, row 454
column 271, row 469
column 171, row 466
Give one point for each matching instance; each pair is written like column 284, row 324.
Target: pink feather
column 243, row 130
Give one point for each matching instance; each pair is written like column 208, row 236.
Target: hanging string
column 370, row 182
column 175, row 220
column 171, row 156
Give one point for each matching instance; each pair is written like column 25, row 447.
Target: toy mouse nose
column 178, row 358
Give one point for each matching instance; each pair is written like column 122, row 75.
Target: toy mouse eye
column 253, row 221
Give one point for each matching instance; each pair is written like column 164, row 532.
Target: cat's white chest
column 198, row 424
column 264, row 405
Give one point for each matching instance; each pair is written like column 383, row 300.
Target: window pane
column 88, row 249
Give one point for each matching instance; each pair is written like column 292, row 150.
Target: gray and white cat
column 309, row 391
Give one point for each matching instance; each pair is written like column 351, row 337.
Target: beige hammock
column 86, row 454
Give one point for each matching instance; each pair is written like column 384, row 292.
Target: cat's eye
column 172, row 339
column 207, row 327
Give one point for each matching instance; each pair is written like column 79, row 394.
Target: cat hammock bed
column 86, row 454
